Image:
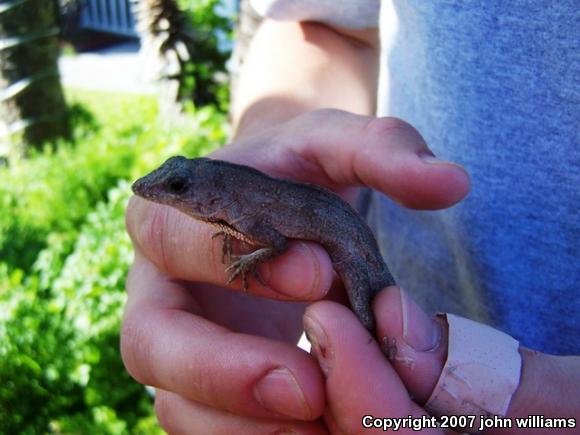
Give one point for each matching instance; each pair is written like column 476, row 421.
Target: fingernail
column 428, row 157
column 433, row 160
column 279, row 392
column 420, row 331
column 319, row 341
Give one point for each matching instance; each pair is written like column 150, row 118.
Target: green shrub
column 64, row 258
column 53, row 191
column 61, row 366
column 209, row 43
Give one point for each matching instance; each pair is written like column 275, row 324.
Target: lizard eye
column 177, row 185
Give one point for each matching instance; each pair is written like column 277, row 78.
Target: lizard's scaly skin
column 265, row 211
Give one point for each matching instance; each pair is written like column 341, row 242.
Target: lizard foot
column 389, row 348
column 248, row 263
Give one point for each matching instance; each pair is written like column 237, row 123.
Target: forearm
column 293, row 68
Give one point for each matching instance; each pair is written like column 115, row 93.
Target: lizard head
column 173, row 183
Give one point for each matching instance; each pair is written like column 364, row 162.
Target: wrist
column 548, row 389
column 293, row 68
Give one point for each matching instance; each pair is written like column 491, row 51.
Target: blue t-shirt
column 495, row 86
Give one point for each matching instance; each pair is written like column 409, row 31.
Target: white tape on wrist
column 481, row 374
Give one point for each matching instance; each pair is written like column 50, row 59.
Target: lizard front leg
column 271, row 244
column 228, row 231
column 226, row 246
column 241, row 265
column 249, row 262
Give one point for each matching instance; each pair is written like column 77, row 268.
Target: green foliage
column 209, row 45
column 59, row 344
column 64, row 258
column 54, row 190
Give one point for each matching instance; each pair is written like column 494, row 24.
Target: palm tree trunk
column 32, row 104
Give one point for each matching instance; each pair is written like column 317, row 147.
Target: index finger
column 185, row 248
column 339, row 150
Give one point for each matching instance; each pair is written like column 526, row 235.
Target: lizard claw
column 238, row 268
column 246, row 263
column 389, row 348
column 258, row 277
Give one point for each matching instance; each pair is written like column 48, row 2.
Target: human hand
column 226, row 362
column 360, row 381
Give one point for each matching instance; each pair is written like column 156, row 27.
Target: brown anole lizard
column 265, row 212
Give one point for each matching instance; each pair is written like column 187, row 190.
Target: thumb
column 338, row 149
column 548, row 385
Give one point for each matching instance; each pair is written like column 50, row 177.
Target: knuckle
column 388, row 125
column 155, row 236
column 164, row 411
column 203, row 384
column 146, row 224
column 136, row 353
column 318, row 116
